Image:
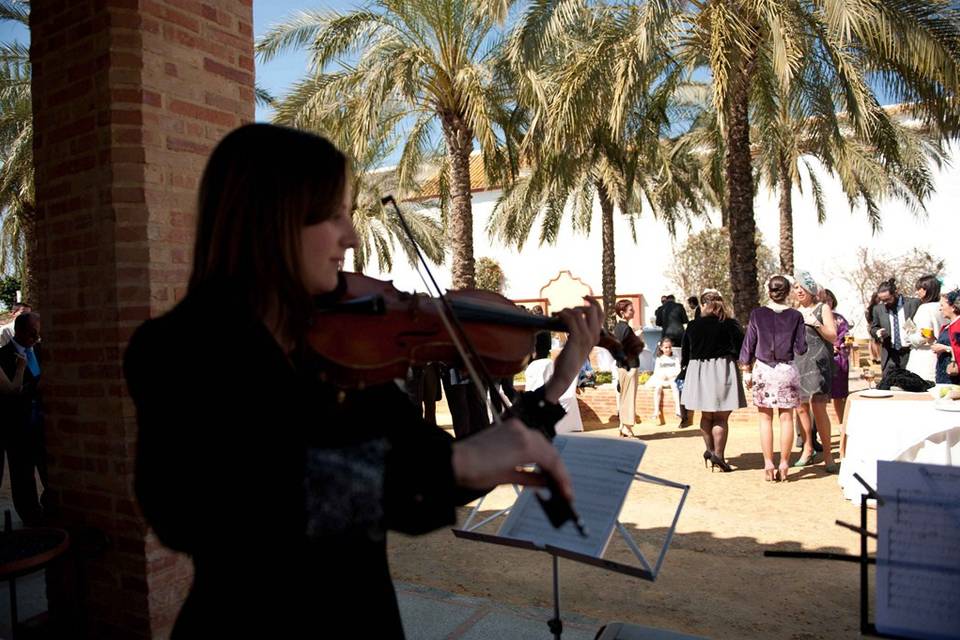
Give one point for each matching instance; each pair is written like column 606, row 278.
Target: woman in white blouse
column 537, row 374
column 923, row 360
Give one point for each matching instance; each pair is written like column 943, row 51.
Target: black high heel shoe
column 719, row 462
column 706, row 457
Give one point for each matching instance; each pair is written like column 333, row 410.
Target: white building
column 824, row 250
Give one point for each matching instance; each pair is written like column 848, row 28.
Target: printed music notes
column 918, row 550
column 602, row 470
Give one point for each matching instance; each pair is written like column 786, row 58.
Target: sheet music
column 602, row 470
column 918, row 550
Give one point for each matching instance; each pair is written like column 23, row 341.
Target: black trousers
column 893, row 358
column 24, row 445
column 467, row 410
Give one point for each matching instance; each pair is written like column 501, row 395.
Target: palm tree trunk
column 786, row 220
column 459, row 141
column 609, row 272
column 29, row 282
column 739, row 198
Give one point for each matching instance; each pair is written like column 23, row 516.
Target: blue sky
column 277, row 75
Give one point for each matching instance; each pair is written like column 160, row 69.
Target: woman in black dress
column 281, row 487
column 712, row 385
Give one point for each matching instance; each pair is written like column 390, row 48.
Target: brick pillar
column 129, row 98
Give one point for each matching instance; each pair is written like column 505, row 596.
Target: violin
column 392, row 330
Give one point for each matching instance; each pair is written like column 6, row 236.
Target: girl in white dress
column 665, row 371
column 926, row 326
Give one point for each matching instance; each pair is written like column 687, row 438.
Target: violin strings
column 449, row 320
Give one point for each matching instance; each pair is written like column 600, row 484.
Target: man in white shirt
column 6, row 331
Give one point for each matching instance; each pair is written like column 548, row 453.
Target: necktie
column 896, row 328
column 32, row 363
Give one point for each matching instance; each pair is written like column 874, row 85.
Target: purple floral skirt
column 776, row 387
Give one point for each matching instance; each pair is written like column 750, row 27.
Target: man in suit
column 658, row 314
column 21, row 419
column 887, row 325
column 672, row 317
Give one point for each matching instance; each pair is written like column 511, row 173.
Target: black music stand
column 867, row 627
column 515, row 522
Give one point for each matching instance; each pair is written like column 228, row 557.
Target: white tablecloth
column 906, row 427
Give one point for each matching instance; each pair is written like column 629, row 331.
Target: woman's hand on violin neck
column 584, row 324
column 492, row 457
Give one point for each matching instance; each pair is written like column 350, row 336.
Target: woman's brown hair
column 261, row 186
column 621, row 307
column 711, row 304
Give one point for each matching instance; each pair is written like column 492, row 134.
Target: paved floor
column 431, row 614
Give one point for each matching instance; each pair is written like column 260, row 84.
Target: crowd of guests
column 793, row 357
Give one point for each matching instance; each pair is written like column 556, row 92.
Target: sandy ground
column 714, row 582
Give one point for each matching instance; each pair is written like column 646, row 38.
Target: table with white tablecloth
column 906, row 427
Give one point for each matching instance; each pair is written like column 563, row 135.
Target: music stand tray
column 602, row 470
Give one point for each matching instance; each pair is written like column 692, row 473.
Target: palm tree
column 804, row 126
column 17, row 201
column 378, row 229
column 909, row 48
column 576, row 154
column 415, row 66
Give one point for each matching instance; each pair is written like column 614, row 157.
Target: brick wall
column 129, row 98
column 598, row 409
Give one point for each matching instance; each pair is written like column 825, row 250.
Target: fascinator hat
column 806, row 280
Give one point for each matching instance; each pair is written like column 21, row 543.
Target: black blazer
column 17, row 406
column 881, row 320
column 279, row 487
column 708, row 337
column 672, row 317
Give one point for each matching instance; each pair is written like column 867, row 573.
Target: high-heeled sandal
column 770, row 474
column 720, row 462
column 627, row 432
column 806, row 462
column 706, row 458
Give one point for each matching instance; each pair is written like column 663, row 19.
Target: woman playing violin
column 280, row 486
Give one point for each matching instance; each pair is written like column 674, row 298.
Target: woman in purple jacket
column 774, row 336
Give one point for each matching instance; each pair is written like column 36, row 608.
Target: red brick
column 130, row 99
column 180, row 144
column 213, row 116
column 236, row 75
column 166, row 14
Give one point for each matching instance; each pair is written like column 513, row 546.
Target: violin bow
column 557, row 508
column 474, row 365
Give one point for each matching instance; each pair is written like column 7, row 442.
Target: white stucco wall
column 823, row 250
